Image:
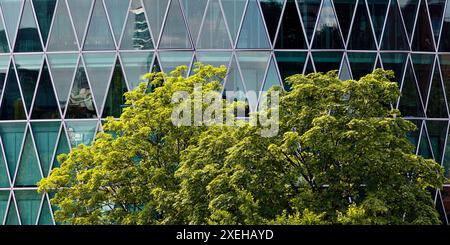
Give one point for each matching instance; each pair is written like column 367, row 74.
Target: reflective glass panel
column 45, row 135
column 137, row 33
column 115, row 101
column 62, row 68
column 171, row 60
column 12, row 107
column 81, row 132
column 290, row 34
column 327, row 35
column 214, row 33
column 117, row 12
column 80, row 10
column 28, row 36
column 253, row 33
column 81, row 102
column 156, row 10
column 234, row 10
column 272, row 13
column 62, row 36
column 12, row 135
column 99, row 35
column 327, row 61
column 44, row 13
column 136, row 64
column 194, row 11
column 174, row 34
column 29, row 203
column 28, row 68
column 45, row 103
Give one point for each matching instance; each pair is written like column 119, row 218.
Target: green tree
column 342, row 156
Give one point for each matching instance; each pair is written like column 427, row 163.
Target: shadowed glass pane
column 29, row 203
column 62, row 36
column 62, row 148
column 194, row 11
column 290, row 34
column 45, row 135
column 12, row 107
column 4, row 62
column 115, row 101
column 437, row 130
column 11, row 14
column 171, row 60
column 4, row 197
column 45, row 103
column 81, row 132
column 28, row 67
column 12, row 218
column 394, row 37
column 409, row 11
column 117, row 12
column 4, row 178
column 137, row 33
column 424, row 146
column 81, row 103
column 272, row 13
column 98, row 36
column 80, row 10
column 413, row 136
column 135, row 65
column 344, row 12
column 410, row 103
column 309, row 10
column 214, row 33
column 272, row 78
column 423, row 38
column 436, row 8
column 28, row 36
column 175, row 33
column 156, row 10
column 377, row 9
column 234, row 10
column 62, row 68
column 361, row 36
column 327, row 61
column 436, row 107
column 28, row 173
column 12, row 135
column 45, row 217
column 253, row 33
column 361, row 63
column 423, row 66
column 290, row 63
column 327, row 34
column 4, row 47
column 445, row 42
column 395, row 62
column 99, row 67
column 44, row 13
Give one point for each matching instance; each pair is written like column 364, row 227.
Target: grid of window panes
column 64, row 65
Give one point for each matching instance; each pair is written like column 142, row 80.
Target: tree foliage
column 342, row 157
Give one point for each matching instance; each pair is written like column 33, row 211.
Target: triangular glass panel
column 395, row 62
column 413, row 136
column 62, row 36
column 194, row 11
column 62, row 68
column 361, row 63
column 410, row 104
column 272, row 12
column 378, row 63
column 409, row 11
column 11, row 14
column 45, row 135
column 446, row 161
column 115, row 101
column 290, row 34
column 45, row 104
column 98, row 35
column 423, row 38
column 361, row 36
column 214, row 58
column 29, row 203
column 11, row 217
column 437, row 131
column 81, row 132
column 309, row 67
column 4, row 198
column 436, row 8
column 4, row 178
column 234, row 10
column 81, row 103
column 394, row 37
column 4, row 63
column 173, row 59
column 12, row 107
column 156, row 67
column 327, row 34
column 156, row 10
column 136, row 64
column 272, row 78
column 444, row 45
column 444, row 60
column 234, row 88
column 136, row 35
column 214, row 34
column 253, row 33
column 28, row 36
column 28, row 67
column 28, row 172
column 377, row 9
column 327, row 61
column 4, row 47
column 309, row 10
column 62, row 148
column 44, row 13
column 290, row 63
column 436, row 107
column 423, row 66
column 117, row 12
column 12, row 135
column 344, row 12
column 45, row 218
column 424, row 145
column 174, row 34
column 99, row 67
column 345, row 73
column 441, row 207
column 80, row 10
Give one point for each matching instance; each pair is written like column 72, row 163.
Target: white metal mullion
column 386, row 15
column 20, row 89
column 431, row 84
column 33, row 141
column 38, row 82
column 339, row 25
column 50, row 208
column 186, row 24
column 38, row 217
column 74, row 75
column 264, row 80
column 50, row 29
column 16, row 206
column 108, row 86
column 441, row 80
column 438, row 44
column 56, row 146
column 148, row 26
column 261, row 13
column 277, row 31
column 72, row 25
column 305, row 35
column 61, row 113
column 417, row 85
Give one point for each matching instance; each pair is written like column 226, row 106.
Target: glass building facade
column 64, row 65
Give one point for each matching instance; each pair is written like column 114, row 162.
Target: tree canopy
column 341, row 156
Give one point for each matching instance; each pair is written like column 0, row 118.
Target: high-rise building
column 64, row 65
